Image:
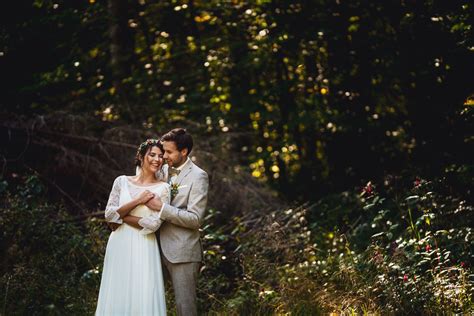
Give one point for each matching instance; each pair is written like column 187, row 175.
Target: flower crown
column 148, row 142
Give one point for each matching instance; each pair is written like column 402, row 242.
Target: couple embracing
column 155, row 217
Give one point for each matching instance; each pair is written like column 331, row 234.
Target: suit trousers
column 183, row 277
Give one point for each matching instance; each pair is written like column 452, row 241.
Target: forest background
column 337, row 136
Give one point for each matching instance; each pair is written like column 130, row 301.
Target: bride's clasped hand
column 153, row 223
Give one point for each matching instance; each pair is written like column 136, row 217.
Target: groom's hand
column 155, row 204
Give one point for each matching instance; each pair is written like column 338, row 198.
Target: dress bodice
column 123, row 191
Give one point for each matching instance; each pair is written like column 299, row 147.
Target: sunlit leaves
column 108, row 114
column 258, row 168
column 282, row 73
column 94, row 52
column 354, row 25
column 469, row 101
column 204, row 17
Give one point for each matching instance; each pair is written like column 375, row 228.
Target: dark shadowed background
column 337, row 136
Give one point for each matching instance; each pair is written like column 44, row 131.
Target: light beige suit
column 179, row 234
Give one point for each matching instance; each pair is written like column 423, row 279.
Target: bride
column 132, row 280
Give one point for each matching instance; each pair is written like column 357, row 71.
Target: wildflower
column 417, row 182
column 368, row 189
column 377, row 258
column 428, row 248
column 405, row 278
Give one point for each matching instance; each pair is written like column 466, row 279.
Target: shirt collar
column 183, row 165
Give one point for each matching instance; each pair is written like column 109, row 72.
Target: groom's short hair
column 180, row 137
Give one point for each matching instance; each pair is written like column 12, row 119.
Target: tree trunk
column 121, row 51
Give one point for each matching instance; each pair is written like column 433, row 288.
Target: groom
column 180, row 245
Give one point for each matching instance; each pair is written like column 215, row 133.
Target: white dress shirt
column 174, row 177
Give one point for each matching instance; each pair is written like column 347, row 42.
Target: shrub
column 50, row 263
column 394, row 249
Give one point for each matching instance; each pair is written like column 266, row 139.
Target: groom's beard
column 177, row 164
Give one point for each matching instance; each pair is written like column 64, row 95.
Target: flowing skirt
column 132, row 279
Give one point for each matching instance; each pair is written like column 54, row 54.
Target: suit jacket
column 179, row 234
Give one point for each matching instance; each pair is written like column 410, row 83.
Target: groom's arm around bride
column 179, row 234
column 192, row 216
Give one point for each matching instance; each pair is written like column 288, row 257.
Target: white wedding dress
column 132, row 279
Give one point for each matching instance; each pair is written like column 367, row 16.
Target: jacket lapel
column 186, row 170
column 165, row 173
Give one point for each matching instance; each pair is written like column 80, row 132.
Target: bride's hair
column 143, row 149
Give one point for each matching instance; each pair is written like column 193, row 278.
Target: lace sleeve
column 113, row 204
column 153, row 222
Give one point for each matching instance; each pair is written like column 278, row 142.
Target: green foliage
column 397, row 249
column 420, row 250
column 311, row 97
column 50, row 265
column 318, row 94
column 403, row 249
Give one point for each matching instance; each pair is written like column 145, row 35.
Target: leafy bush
column 50, row 263
column 401, row 249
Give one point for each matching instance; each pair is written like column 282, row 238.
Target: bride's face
column 153, row 160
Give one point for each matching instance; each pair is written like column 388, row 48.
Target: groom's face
column 172, row 155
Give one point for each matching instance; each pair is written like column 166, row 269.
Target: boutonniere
column 174, row 190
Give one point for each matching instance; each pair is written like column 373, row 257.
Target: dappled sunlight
column 336, row 136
